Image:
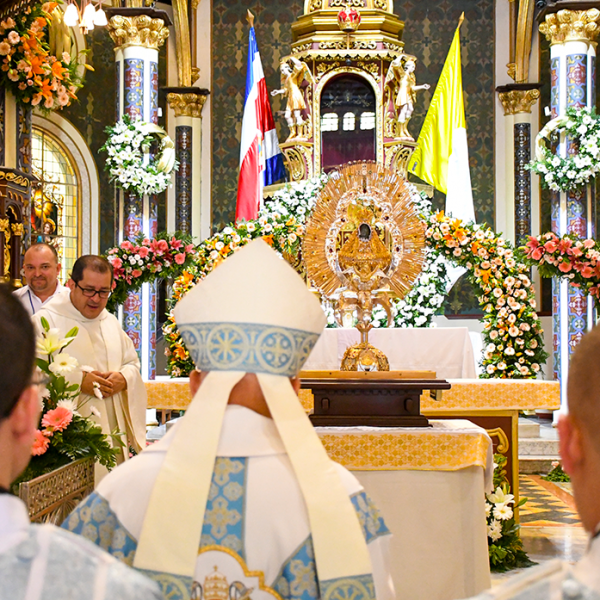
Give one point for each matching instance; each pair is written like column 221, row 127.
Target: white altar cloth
column 439, row 547
column 446, row 350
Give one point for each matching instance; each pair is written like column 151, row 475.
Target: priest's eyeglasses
column 91, row 292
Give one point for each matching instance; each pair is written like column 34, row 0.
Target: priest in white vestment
column 103, row 346
column 42, row 562
column 580, row 455
column 240, row 500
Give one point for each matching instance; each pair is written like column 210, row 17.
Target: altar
column 429, row 485
column 446, row 350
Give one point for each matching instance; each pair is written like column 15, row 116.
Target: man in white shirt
column 103, row 346
column 579, row 432
column 41, row 562
column 240, row 500
column 41, row 270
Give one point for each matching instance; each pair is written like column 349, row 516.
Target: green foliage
column 557, row 474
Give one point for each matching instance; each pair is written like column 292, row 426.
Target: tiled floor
column 550, row 527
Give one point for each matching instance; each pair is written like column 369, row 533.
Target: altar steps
column 538, row 446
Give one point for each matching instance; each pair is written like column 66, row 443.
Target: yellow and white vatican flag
column 442, row 155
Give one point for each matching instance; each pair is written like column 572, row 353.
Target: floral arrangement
column 281, row 232
column 504, row 544
column 582, row 127
column 64, row 435
column 512, row 329
column 129, row 163
column 144, row 260
column 28, row 69
column 557, row 474
column 568, row 257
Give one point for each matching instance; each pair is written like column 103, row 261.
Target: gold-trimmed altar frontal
column 495, row 394
column 404, row 449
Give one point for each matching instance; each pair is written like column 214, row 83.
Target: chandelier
column 87, row 17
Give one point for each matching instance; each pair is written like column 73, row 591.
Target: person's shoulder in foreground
column 66, row 566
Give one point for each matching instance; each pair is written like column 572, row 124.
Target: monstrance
column 363, row 243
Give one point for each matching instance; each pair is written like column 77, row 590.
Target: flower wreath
column 582, row 126
column 28, row 68
column 129, row 163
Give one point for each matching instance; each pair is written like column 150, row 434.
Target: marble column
column 187, row 103
column 517, row 101
column 138, row 33
column 572, row 35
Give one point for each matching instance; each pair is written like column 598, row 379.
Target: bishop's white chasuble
column 255, row 541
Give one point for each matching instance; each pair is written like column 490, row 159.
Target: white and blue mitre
column 252, row 314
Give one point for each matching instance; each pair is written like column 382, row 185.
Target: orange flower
column 58, row 70
column 40, row 444
column 48, row 7
column 37, row 63
column 475, row 247
column 485, row 275
column 439, row 217
column 46, row 90
column 179, row 352
column 268, row 239
column 57, row 419
column 225, row 250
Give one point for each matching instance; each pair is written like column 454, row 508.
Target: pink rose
column 587, row 272
column 126, row 245
column 143, row 251
column 162, row 245
column 180, row 258
column 116, row 262
column 589, row 243
column 550, row 246
column 146, row 242
column 136, row 273
column 537, row 253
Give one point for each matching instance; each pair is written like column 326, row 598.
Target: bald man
column 41, row 269
column 579, row 432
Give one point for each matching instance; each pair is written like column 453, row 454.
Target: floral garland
column 144, row 260
column 512, row 329
column 567, row 257
column 129, row 164
column 582, row 126
column 281, row 232
column 28, row 69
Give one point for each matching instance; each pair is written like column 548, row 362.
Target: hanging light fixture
column 87, row 17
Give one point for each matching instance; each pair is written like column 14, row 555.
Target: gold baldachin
column 140, row 30
column 186, row 104
column 571, row 26
column 515, row 102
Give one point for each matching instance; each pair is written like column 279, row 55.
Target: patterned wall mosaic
column 429, row 27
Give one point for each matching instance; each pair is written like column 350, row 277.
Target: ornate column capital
column 571, row 26
column 186, row 102
column 145, row 27
column 517, row 98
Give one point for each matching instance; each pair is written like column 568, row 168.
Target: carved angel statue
column 401, row 79
column 293, row 74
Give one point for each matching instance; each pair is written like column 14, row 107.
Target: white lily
column 50, row 342
column 499, row 497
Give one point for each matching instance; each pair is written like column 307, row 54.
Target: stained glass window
column 55, row 214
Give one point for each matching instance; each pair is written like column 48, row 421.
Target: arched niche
column 348, row 120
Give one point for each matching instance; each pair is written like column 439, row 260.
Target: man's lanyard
column 31, row 302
